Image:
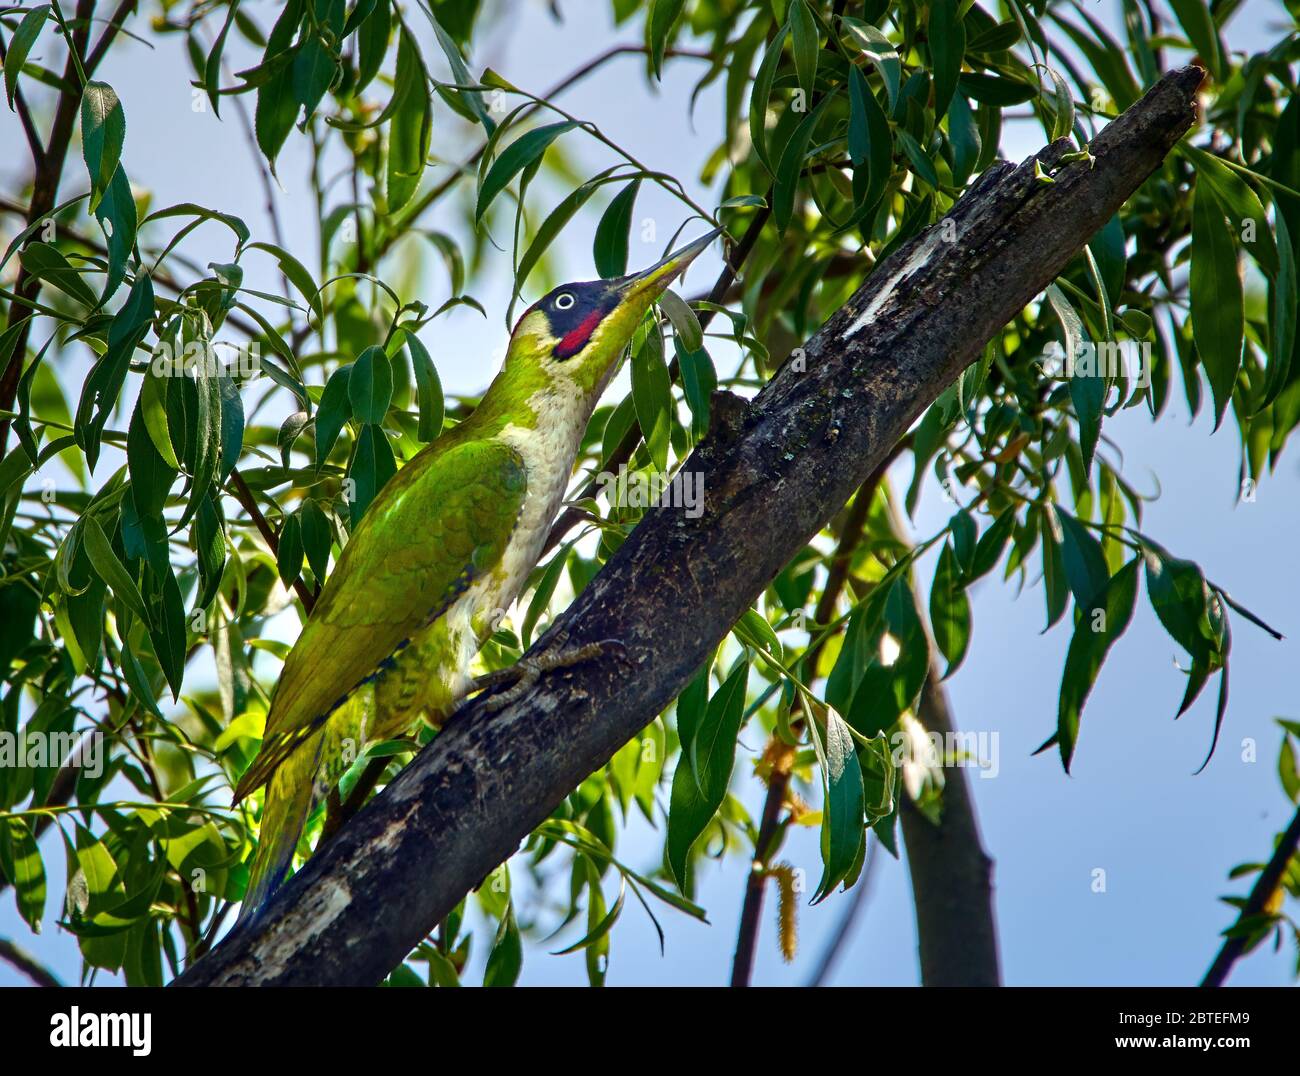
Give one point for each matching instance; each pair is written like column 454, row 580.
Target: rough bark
column 772, row 477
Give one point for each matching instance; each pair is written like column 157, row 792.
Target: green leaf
column 316, row 538
column 411, row 126
column 372, row 44
column 507, row 955
column 947, row 35
column 1249, row 221
column 99, row 397
column 659, row 24
column 296, row 273
column 1087, row 387
column 761, row 94
column 791, row 165
column 1197, row 22
column 333, row 412
column 871, row 147
column 103, row 131
column 21, row 859
column 843, row 825
column 232, row 426
column 885, row 691
column 277, row 106
column 652, row 395
column 699, row 380
column 428, row 390
column 950, row 611
column 550, row 229
column 1283, row 293
column 609, row 248
column 472, row 100
column 1056, row 588
column 525, row 150
column 1180, row 597
column 806, row 44
column 1000, row 90
column 47, row 263
column 1218, row 313
column 964, row 135
column 117, row 217
column 686, row 325
column 880, row 50
column 289, row 552
column 988, row 550
column 543, row 593
column 20, row 45
column 370, row 386
column 372, row 466
column 313, row 71
column 210, row 545
column 111, row 570
column 1096, row 632
column 1085, row 564
column 698, row 789
column 1063, row 101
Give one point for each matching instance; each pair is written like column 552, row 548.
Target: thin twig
column 47, row 172
column 848, row 920
column 245, row 497
column 24, row 113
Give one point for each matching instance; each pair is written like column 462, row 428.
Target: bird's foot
column 525, row 672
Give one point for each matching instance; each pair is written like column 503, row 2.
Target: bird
column 443, row 549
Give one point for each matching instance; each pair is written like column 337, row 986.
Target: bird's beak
column 654, row 281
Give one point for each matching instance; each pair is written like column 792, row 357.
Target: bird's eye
column 564, row 301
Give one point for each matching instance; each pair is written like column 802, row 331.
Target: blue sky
column 1132, row 807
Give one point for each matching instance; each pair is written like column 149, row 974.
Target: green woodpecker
column 445, row 546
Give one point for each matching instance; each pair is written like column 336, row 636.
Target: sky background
column 1132, row 807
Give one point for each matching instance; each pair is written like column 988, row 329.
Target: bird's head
column 575, row 336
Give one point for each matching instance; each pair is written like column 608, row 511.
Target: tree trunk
column 772, row 475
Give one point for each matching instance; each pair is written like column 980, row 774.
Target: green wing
column 442, row 520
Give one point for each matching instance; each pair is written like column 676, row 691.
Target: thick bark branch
column 676, row 586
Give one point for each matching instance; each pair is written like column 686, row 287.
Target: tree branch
column 677, row 585
column 248, row 502
column 47, row 173
column 1265, row 886
column 27, row 964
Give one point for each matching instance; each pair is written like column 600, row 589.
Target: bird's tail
column 289, row 796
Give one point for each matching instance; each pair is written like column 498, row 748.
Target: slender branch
column 1265, row 886
column 676, row 585
column 48, row 172
column 24, row 114
column 857, row 901
column 118, row 20
column 27, row 964
column 245, row 497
